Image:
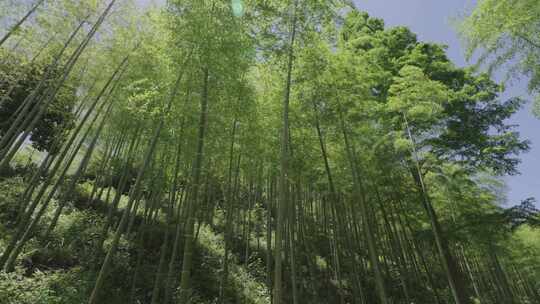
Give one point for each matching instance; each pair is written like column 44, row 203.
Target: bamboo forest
column 267, row 151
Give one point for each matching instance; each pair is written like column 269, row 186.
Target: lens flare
column 238, row 8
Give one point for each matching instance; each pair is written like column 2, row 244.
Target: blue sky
column 431, row 20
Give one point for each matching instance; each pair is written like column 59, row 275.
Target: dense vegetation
column 216, row 151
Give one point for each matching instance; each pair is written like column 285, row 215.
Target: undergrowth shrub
column 50, row 287
column 10, row 191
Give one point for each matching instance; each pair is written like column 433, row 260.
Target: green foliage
column 10, row 191
column 242, row 283
column 51, row 287
column 456, row 113
column 526, row 250
column 382, row 128
column 417, row 97
column 18, row 80
column 505, row 33
column 536, row 106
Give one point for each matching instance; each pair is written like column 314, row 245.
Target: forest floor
column 62, row 268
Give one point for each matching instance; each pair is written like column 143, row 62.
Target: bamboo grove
column 258, row 151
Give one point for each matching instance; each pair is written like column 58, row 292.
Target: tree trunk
column 136, row 189
column 367, row 224
column 185, row 280
column 20, row 22
column 283, row 200
column 50, row 94
column 452, row 271
column 228, row 217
